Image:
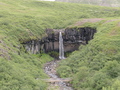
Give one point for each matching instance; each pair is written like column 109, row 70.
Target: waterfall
column 61, row 47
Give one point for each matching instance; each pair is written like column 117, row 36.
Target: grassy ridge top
column 22, row 20
column 30, row 18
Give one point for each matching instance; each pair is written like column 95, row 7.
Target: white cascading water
column 61, row 47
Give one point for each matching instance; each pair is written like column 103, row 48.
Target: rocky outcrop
column 73, row 38
column 76, row 35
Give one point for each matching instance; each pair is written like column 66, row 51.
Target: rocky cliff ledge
column 73, row 38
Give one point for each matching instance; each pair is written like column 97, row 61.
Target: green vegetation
column 23, row 72
column 96, row 66
column 54, row 54
column 23, row 20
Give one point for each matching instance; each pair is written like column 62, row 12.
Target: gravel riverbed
column 50, row 70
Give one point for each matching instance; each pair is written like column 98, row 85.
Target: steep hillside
column 23, row 20
column 96, row 66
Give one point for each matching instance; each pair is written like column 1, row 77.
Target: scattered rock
column 57, row 84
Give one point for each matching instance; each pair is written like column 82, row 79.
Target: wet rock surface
column 50, row 70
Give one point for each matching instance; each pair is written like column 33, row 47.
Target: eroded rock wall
column 75, row 35
column 73, row 38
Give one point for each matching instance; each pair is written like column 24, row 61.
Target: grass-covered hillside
column 96, row 66
column 22, row 20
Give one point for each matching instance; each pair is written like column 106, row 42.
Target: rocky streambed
column 50, row 70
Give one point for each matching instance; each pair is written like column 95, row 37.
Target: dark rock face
column 73, row 38
column 79, row 35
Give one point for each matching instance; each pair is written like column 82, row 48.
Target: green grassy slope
column 22, row 20
column 96, row 66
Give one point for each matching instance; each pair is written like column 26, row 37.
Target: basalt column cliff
column 72, row 37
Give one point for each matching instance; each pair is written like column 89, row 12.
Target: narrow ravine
column 50, row 70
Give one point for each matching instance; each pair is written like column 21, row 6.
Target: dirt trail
column 50, row 70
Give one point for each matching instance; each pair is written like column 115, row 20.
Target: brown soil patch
column 92, row 20
column 2, row 3
column 113, row 33
column 119, row 24
column 111, row 20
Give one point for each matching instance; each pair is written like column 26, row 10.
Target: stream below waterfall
column 50, row 70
